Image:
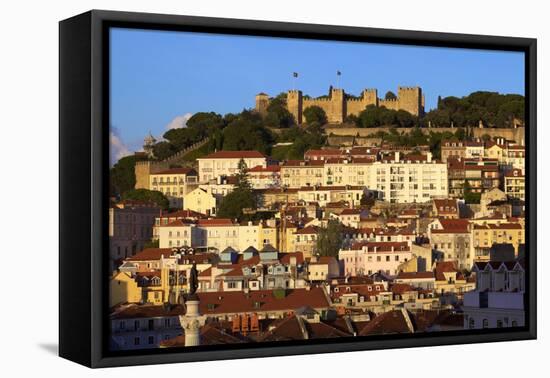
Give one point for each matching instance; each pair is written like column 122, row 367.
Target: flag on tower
column 338, row 73
column 295, row 74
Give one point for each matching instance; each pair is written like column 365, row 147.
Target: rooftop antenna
column 338, row 74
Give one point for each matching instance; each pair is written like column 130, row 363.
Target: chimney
column 429, row 157
column 397, row 156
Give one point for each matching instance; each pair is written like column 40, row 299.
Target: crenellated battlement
column 338, row 106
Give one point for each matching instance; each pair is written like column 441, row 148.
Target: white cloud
column 118, row 148
column 179, row 121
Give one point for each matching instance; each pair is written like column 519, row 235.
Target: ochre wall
column 337, row 107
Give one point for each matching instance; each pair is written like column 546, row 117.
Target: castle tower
column 337, row 111
column 148, row 144
column 411, row 100
column 294, row 103
column 262, row 102
column 369, row 97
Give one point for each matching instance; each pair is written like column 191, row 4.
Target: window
column 499, row 323
column 472, row 323
column 485, row 323
column 151, row 339
column 136, row 340
column 167, row 322
column 136, row 325
column 122, row 325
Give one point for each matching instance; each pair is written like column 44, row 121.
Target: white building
column 499, row 297
column 217, row 234
column 409, row 179
column 325, row 194
column 371, row 257
column 226, row 163
column 174, row 183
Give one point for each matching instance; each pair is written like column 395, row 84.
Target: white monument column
column 191, row 322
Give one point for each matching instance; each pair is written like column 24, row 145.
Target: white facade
column 226, row 163
column 374, row 257
column 499, row 297
column 409, row 181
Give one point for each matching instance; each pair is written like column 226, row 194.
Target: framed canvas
column 236, row 188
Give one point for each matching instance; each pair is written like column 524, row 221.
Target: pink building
column 370, row 257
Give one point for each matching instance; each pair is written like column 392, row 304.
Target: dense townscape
column 221, row 243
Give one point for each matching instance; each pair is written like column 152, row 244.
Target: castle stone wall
column 516, row 134
column 337, row 107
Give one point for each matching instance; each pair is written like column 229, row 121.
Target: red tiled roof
column 444, row 267
column 307, row 230
column 215, row 222
column 147, row 311
column 178, row 223
column 182, row 214
column 415, row 275
column 400, row 288
column 303, row 163
column 502, row 226
column 230, row 302
column 177, row 171
column 453, row 226
column 151, row 254
column 387, row 323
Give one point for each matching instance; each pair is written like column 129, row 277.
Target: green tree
column 486, row 137
column 390, row 96
column 461, row 134
column 404, row 118
column 470, row 197
column 151, row 244
column 329, row 239
column 163, row 150
column 367, row 201
column 315, row 114
column 277, row 114
column 122, row 175
column 242, row 197
column 147, row 196
column 247, row 133
column 206, row 121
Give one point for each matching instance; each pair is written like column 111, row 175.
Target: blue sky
column 160, row 78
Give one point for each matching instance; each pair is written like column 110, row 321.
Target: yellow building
column 201, row 201
column 174, row 183
column 514, row 184
column 484, row 236
column 299, row 173
column 123, row 288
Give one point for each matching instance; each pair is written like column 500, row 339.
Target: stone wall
column 338, row 106
column 516, row 134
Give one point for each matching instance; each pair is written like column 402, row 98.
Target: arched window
column 485, row 323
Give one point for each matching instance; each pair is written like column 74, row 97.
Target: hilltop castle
column 338, row 105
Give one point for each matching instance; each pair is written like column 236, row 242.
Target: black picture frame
column 84, row 162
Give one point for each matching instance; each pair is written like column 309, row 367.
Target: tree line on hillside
column 492, row 108
column 277, row 134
